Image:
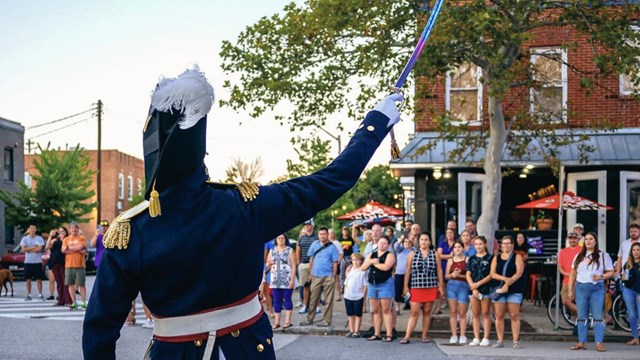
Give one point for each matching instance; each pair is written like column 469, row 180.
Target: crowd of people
column 382, row 272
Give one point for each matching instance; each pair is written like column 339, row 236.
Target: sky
column 57, row 58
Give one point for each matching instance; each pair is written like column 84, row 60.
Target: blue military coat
column 206, row 251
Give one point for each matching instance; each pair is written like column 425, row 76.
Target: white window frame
column 121, row 186
column 622, row 79
column 130, row 183
column 563, row 81
column 447, row 98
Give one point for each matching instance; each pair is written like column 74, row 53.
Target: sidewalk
column 535, row 326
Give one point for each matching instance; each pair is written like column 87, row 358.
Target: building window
column 27, row 179
column 627, row 87
column 549, row 97
column 8, row 164
column 120, row 186
column 139, row 186
column 463, row 97
column 130, row 183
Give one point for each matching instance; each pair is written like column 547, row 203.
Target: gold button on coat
column 198, row 342
column 260, row 348
column 370, row 128
column 268, row 341
column 235, row 333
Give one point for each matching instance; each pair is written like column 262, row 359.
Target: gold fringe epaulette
column 248, row 190
column 120, row 230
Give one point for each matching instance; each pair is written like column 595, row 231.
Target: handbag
column 495, row 294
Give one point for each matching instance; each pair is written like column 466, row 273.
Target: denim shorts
column 458, row 290
column 383, row 290
column 510, row 298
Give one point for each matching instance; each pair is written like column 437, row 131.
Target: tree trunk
column 488, row 221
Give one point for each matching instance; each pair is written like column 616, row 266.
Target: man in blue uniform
column 207, row 305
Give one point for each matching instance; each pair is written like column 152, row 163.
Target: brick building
column 11, row 143
column 445, row 190
column 122, row 178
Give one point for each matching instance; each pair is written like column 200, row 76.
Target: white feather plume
column 190, row 93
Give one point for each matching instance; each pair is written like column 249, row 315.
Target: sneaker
column 73, row 306
column 51, row 298
column 299, row 304
column 303, row 310
column 485, row 342
column 148, row 324
column 83, row 306
column 475, row 342
column 40, row 297
column 453, row 340
column 28, row 298
column 462, row 340
column 318, row 310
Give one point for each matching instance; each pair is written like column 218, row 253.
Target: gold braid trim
column 248, row 190
column 395, row 150
column 118, row 234
column 154, row 202
column 120, row 230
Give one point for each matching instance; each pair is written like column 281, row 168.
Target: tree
column 60, row 193
column 376, row 184
column 240, row 171
column 313, row 155
column 321, row 57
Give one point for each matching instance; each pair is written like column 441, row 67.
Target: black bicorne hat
column 174, row 134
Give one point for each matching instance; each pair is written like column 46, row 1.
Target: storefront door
column 470, row 187
column 629, row 201
column 591, row 185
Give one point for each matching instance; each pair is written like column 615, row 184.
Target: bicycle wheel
column 619, row 310
column 567, row 324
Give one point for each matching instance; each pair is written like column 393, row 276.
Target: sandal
column 275, row 326
column 579, row 346
column 600, row 347
column 286, row 326
column 498, row 345
column 387, row 339
column 633, row 342
column 404, row 341
column 426, row 340
column 516, row 344
column 355, row 335
column 374, row 338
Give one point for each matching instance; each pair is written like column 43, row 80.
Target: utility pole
column 99, row 170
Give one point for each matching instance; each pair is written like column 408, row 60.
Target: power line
column 55, row 121
column 60, row 128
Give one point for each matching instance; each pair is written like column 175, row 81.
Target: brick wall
column 114, row 163
column 603, row 103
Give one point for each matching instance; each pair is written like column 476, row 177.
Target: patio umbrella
column 570, row 201
column 371, row 210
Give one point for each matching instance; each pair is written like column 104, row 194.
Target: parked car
column 14, row 261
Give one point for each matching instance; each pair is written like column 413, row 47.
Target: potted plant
column 544, row 221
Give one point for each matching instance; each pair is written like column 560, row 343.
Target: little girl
column 457, row 292
column 355, row 288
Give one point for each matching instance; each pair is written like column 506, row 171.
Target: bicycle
column 619, row 310
column 565, row 313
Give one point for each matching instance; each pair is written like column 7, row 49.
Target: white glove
column 388, row 107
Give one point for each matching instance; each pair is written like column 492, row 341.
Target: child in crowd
column 355, row 288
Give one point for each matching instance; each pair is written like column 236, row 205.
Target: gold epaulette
column 120, row 230
column 248, row 190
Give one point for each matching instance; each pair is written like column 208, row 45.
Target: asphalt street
column 38, row 330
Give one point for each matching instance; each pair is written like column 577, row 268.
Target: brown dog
column 6, row 276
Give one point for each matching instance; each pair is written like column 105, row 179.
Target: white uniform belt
column 209, row 321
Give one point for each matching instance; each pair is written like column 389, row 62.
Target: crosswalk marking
column 38, row 309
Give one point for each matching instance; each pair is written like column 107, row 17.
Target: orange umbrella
column 570, row 201
column 371, row 210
